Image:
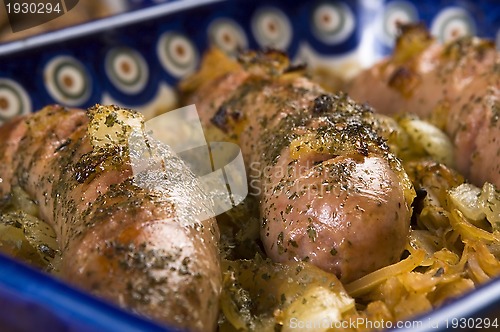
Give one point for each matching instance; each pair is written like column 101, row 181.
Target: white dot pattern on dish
column 396, row 13
column 228, row 35
column 14, row 99
column 67, row 80
column 333, row 23
column 126, row 69
column 452, row 23
column 177, row 54
column 271, row 28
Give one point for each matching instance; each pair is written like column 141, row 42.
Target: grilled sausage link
column 331, row 192
column 118, row 241
column 456, row 86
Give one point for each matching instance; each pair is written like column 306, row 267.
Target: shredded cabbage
column 454, row 245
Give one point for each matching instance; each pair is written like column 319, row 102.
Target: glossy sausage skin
column 456, row 86
column 118, row 241
column 330, row 190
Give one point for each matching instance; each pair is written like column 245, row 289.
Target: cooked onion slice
column 489, row 201
column 365, row 284
column 429, row 138
column 111, row 126
column 466, row 198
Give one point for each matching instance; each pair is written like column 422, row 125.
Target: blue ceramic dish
column 135, row 59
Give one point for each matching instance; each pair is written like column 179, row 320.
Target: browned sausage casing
column 456, row 86
column 119, row 241
column 331, row 192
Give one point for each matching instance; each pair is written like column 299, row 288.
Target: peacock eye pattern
column 134, row 60
column 67, row 80
column 14, row 99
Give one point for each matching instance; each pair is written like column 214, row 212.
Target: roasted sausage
column 455, row 86
column 119, row 241
column 330, row 190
